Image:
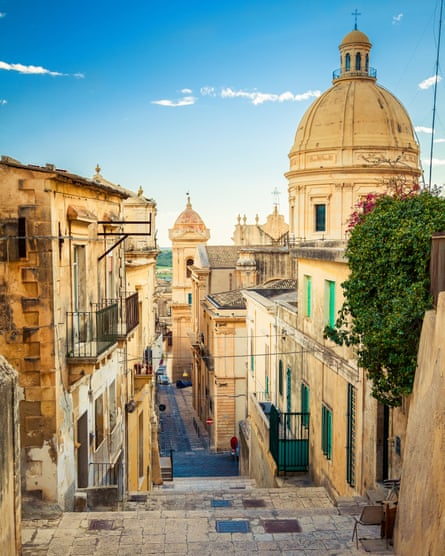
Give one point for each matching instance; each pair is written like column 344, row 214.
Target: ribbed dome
column 354, row 119
column 189, row 224
column 353, row 140
column 354, row 113
column 189, row 217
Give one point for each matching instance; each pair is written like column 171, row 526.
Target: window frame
column 308, row 295
column 320, row 217
column 329, row 303
column 326, row 431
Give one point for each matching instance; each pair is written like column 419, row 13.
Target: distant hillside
column 164, row 259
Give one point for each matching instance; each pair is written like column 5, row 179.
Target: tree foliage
column 388, row 289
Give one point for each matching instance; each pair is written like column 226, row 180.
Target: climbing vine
column 388, row 289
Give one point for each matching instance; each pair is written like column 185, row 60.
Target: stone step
column 205, row 484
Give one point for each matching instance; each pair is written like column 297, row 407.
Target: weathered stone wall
column 10, row 499
column 420, row 525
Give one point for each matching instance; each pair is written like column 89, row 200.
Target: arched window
column 189, row 263
column 367, row 62
column 348, row 62
column 358, row 61
column 280, row 377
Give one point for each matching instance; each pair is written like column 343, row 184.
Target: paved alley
column 206, row 510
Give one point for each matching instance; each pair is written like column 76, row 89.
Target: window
column 110, row 277
column 189, row 298
column 79, row 278
column 305, row 404
column 189, row 264
column 280, row 377
column 141, row 447
column 367, row 62
column 13, row 244
column 329, row 303
column 348, row 62
column 288, row 390
column 252, row 357
column 99, row 420
column 326, row 431
column 266, row 367
column 320, row 218
column 308, row 296
column 112, row 404
column 22, row 236
column 350, row 436
column 358, row 61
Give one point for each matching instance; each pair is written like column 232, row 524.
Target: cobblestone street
column 206, row 510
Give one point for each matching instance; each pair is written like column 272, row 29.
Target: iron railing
column 289, row 440
column 370, row 72
column 90, row 333
column 128, row 312
column 104, row 474
column 131, row 312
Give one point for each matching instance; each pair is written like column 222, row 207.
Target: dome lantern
column 354, row 57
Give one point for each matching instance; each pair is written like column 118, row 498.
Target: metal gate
column 289, row 440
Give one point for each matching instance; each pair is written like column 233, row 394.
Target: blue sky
column 198, row 96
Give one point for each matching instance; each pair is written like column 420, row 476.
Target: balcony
column 143, row 374
column 343, row 73
column 128, row 313
column 90, row 333
column 89, row 337
column 129, row 316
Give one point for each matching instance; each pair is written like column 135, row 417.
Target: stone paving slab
column 178, row 518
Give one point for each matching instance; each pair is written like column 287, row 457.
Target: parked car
column 183, row 383
column 163, row 379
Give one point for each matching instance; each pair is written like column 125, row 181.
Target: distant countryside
column 164, row 265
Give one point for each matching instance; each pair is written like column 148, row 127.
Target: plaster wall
column 262, row 466
column 420, row 527
column 10, row 498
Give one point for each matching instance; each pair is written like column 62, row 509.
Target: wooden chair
column 371, row 515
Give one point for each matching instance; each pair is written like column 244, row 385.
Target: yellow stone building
column 188, row 233
column 354, row 140
column 68, row 320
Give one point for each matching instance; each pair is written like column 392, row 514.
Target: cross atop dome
column 356, row 13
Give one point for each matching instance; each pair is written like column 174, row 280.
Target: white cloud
column 3, row 101
column 423, row 129
column 257, row 97
column 436, row 162
column 20, row 68
column 185, row 101
column 35, row 70
column 208, row 91
column 397, row 19
column 2, row 14
column 427, row 83
column 186, row 91
column 439, row 140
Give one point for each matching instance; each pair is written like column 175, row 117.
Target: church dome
column 355, row 139
column 189, row 224
column 356, row 36
column 355, row 120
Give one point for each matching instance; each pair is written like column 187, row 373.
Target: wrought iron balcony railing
column 90, row 333
column 338, row 73
column 128, row 312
